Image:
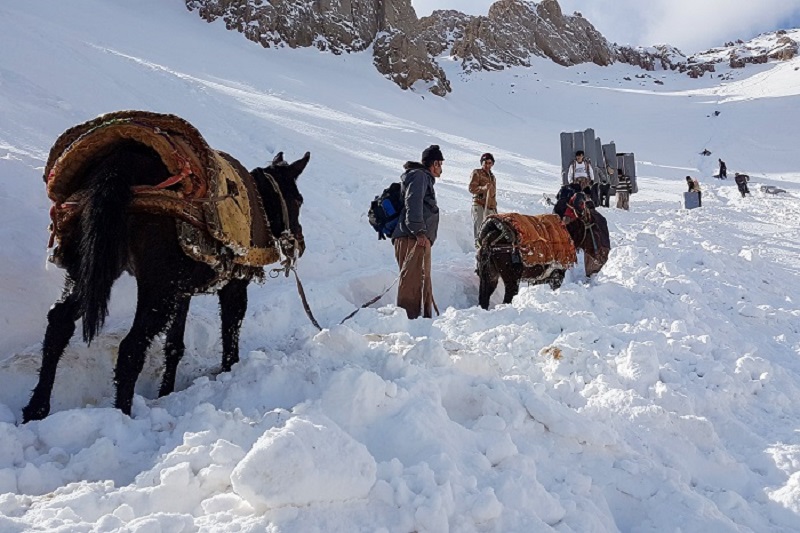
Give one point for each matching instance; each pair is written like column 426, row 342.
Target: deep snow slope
column 658, row 396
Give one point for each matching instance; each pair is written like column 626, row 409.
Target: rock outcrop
column 404, row 47
column 779, row 46
column 514, row 32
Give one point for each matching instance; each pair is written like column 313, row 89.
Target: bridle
column 288, row 242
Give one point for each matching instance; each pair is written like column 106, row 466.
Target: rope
column 400, row 276
column 306, row 307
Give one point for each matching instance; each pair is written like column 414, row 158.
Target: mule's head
column 578, row 204
column 284, row 175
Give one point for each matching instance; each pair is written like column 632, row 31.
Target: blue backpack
column 384, row 211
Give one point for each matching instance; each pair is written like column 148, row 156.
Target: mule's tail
column 104, row 241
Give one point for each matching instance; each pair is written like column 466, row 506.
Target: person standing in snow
column 580, row 173
column 694, row 186
column 483, row 187
column 416, row 232
column 623, row 190
column 741, row 182
column 723, row 170
column 604, row 192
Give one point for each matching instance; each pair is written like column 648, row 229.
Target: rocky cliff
column 405, row 48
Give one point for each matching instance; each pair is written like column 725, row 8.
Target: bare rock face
column 663, row 57
column 338, row 26
column 408, row 64
column 512, row 34
column 786, row 49
column 405, row 47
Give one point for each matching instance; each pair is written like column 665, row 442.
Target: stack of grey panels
column 610, row 163
column 571, row 142
column 627, row 162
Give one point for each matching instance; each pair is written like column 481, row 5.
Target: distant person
column 741, row 182
column 416, row 232
column 624, row 190
column 604, row 191
column 483, row 187
column 694, row 186
column 723, row 170
column 580, row 172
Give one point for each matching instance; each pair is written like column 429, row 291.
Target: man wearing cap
column 416, row 232
column 483, row 187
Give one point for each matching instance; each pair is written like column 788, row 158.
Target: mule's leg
column 60, row 327
column 512, row 273
column 174, row 347
column 556, row 279
column 594, row 262
column 489, row 276
column 232, row 307
column 154, row 309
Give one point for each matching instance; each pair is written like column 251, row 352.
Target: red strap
column 170, row 181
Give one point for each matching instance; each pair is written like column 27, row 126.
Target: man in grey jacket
column 416, row 232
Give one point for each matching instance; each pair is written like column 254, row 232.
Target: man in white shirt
column 580, row 172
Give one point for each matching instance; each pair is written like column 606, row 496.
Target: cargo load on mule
column 213, row 197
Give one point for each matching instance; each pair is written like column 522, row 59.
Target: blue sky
column 691, row 25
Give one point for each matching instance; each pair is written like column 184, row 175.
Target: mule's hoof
column 30, row 413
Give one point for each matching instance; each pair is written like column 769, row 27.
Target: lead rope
column 422, row 303
column 400, row 276
column 288, row 245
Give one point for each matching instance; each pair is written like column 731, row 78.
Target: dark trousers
column 605, row 188
column 415, row 291
column 594, row 193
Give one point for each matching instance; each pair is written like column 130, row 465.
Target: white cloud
column 691, row 25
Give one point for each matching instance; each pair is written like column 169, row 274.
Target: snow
column 658, row 396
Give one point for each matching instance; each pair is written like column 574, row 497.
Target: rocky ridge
column 405, row 48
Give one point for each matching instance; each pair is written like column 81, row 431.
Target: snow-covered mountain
column 658, row 396
column 409, row 50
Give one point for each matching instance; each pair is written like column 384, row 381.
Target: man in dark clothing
column 416, row 232
column 723, row 170
column 741, row 182
column 624, row 189
column 604, row 192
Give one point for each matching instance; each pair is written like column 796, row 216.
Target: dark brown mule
column 499, row 258
column 109, row 240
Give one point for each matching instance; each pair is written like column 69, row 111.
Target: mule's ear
column 300, row 165
column 278, row 159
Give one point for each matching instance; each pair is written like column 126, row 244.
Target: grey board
column 691, row 200
column 627, row 162
column 601, row 174
column 574, row 141
column 610, row 161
